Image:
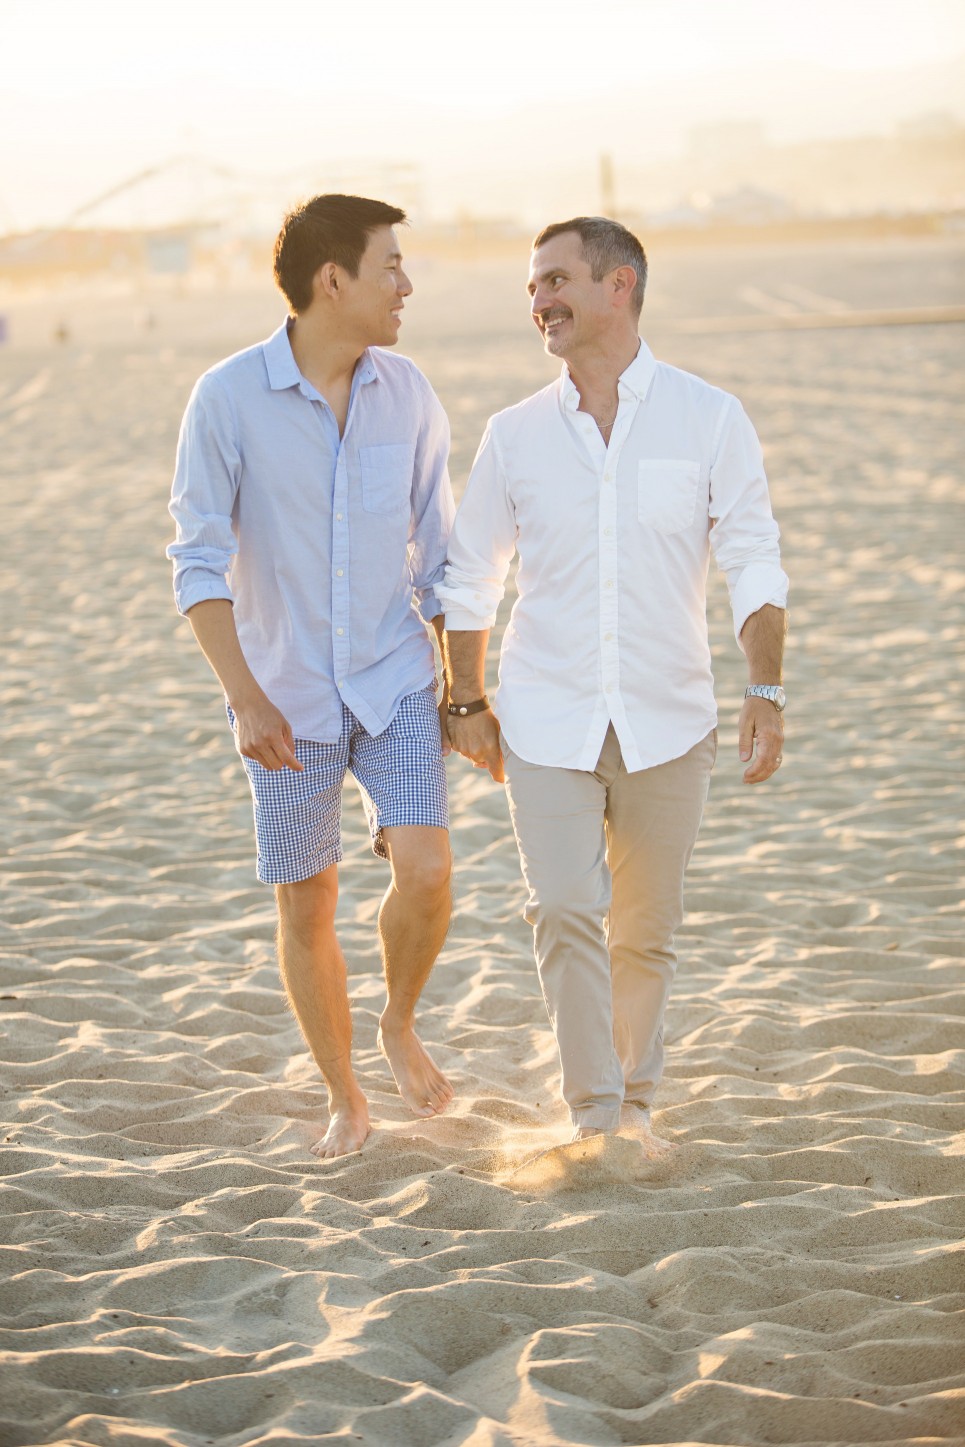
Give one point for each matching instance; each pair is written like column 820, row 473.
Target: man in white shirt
column 614, row 484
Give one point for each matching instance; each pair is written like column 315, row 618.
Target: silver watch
column 773, row 692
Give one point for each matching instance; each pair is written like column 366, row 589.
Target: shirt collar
column 634, row 380
column 283, row 369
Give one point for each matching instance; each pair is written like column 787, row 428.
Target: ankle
column 396, row 1021
column 346, row 1098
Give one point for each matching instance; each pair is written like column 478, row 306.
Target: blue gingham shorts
column 400, row 771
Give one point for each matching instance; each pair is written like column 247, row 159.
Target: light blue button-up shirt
column 329, row 548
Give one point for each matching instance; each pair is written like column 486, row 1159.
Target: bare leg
column 412, row 924
column 313, row 971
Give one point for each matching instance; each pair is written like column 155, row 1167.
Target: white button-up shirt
column 610, row 622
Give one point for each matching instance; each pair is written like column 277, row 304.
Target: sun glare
column 103, row 88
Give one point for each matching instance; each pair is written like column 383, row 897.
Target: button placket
column 609, row 578
column 340, row 569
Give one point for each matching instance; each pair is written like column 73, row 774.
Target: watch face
column 779, row 698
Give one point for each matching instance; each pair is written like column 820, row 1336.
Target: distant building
column 750, row 206
column 744, row 206
column 727, row 140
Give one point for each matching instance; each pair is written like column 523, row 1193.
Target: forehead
column 564, row 252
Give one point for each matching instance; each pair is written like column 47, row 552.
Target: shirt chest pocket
column 386, row 476
column 667, row 493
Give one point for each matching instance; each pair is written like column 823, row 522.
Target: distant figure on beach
column 313, row 508
column 614, row 484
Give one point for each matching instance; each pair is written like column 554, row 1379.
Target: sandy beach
column 177, row 1268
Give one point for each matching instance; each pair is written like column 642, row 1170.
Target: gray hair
column 605, row 245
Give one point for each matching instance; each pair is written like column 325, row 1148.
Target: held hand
column 760, row 724
column 476, row 737
column 265, row 735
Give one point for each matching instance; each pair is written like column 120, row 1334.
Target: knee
column 424, row 874
column 559, row 912
column 308, row 905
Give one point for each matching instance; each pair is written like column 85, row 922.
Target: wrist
column 245, row 696
column 771, row 692
column 462, row 707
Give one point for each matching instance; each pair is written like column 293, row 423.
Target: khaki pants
column 603, row 856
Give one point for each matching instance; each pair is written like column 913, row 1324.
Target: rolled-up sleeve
column 482, row 544
column 203, row 495
column 745, row 538
column 433, row 508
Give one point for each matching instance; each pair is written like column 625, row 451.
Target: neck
column 595, row 374
column 325, row 358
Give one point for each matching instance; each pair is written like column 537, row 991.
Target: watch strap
column 462, row 710
column 773, row 692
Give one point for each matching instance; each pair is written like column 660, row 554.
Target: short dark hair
column 606, row 245
column 326, row 228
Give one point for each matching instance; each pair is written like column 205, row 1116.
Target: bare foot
column 348, row 1128
column 422, row 1085
column 635, row 1121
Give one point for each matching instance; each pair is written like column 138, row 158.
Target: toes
column 427, row 1101
column 440, row 1092
column 341, row 1139
column 438, row 1099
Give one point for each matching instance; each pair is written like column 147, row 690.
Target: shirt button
column 608, row 638
column 338, row 517
column 340, row 631
column 338, row 572
column 608, row 583
column 607, row 532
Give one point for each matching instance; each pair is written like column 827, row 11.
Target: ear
column 624, row 279
column 325, row 282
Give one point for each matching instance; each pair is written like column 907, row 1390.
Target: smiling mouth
column 553, row 323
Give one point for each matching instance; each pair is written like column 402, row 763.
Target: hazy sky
column 93, row 90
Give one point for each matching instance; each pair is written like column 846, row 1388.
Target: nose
column 540, row 302
column 404, row 286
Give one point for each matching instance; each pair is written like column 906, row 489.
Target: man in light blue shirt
column 313, row 508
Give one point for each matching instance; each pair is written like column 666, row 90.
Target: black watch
column 460, row 710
